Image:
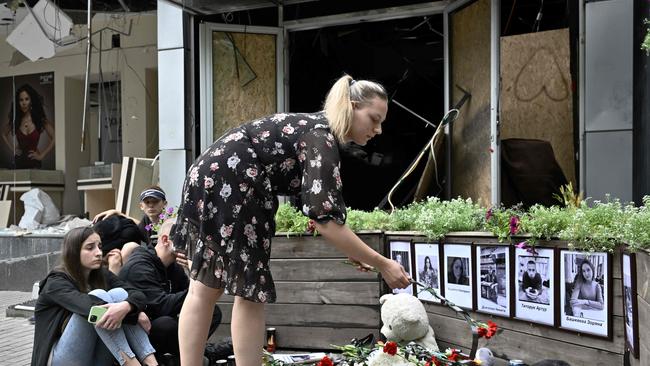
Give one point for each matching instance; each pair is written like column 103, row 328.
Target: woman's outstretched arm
column 349, row 243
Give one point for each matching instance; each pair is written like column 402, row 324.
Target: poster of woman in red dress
column 27, row 121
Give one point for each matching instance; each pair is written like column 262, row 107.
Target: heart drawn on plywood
column 541, row 74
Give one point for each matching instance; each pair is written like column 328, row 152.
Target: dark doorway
column 406, row 56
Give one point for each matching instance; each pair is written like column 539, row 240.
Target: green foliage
column 545, row 222
column 646, row 41
column 289, row 220
column 597, row 228
column 374, row 220
column 437, row 218
column 404, row 219
column 568, row 197
column 636, row 231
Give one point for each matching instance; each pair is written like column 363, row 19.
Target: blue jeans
column 84, row 344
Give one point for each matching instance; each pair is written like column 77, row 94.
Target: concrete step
column 22, row 310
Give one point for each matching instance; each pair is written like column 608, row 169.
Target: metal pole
column 413, row 113
column 495, row 143
column 87, row 81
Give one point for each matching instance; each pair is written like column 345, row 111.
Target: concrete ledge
column 12, row 247
column 19, row 274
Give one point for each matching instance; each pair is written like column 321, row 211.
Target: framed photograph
column 400, row 251
column 493, row 279
column 427, row 269
column 534, row 287
column 585, row 292
column 628, row 268
column 458, row 280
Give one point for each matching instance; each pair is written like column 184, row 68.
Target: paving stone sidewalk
column 16, row 334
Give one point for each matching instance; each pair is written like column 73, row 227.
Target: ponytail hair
column 338, row 104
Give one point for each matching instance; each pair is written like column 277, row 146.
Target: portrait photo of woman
column 458, row 279
column 587, row 293
column 457, row 271
column 427, row 270
column 428, row 275
column 28, row 129
column 584, row 292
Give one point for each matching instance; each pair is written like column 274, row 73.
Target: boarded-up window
column 244, row 78
column 470, row 69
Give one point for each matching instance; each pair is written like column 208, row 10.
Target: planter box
column 323, row 302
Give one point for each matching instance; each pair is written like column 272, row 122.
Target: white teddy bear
column 405, row 320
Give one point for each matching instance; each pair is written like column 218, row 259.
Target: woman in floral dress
column 229, row 202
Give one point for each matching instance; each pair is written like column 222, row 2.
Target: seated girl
column 63, row 335
column 587, row 293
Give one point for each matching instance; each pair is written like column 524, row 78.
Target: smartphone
column 96, row 313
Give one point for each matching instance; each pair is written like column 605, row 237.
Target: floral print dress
column 226, row 219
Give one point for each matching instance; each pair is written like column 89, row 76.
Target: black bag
column 218, row 351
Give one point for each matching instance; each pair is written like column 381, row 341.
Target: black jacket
column 59, row 297
column 164, row 288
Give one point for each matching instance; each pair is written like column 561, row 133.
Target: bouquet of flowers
column 411, row 354
column 168, row 213
column 393, row 354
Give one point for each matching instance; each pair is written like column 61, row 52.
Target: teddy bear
column 405, row 320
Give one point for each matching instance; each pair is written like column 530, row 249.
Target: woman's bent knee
column 102, row 294
column 118, row 294
column 200, row 292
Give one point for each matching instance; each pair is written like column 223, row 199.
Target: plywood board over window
column 244, row 78
column 536, row 98
column 470, row 69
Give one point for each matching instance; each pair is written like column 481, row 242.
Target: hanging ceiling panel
column 207, row 7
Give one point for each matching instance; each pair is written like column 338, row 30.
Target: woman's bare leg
column 194, row 321
column 247, row 331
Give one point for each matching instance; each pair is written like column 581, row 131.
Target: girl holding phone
column 63, row 334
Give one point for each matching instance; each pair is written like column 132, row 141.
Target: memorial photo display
column 400, row 251
column 585, row 292
column 535, row 285
column 630, row 309
column 493, row 279
column 427, row 269
column 458, row 277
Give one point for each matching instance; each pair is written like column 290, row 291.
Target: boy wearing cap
column 152, row 204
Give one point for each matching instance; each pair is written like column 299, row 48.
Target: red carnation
column 390, row 348
column 454, row 356
column 311, row 226
column 482, row 332
column 492, row 329
column 325, row 362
